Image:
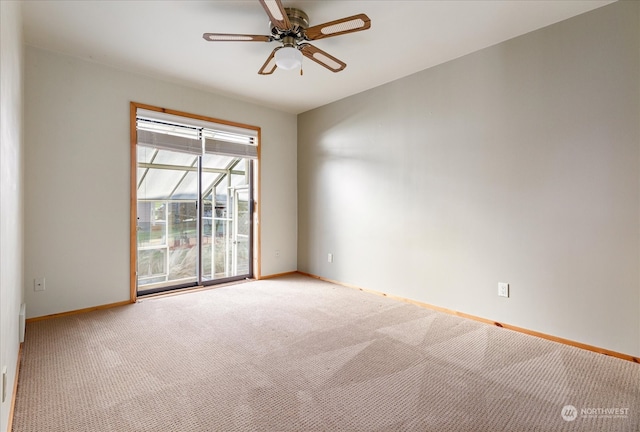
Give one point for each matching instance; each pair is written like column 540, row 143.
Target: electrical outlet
column 330, row 258
column 38, row 284
column 503, row 289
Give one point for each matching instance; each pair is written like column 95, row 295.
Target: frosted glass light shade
column 288, row 58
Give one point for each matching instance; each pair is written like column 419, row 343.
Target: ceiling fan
column 290, row 27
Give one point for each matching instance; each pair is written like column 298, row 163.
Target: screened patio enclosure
column 194, row 208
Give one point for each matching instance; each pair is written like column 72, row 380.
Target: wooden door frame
column 133, row 233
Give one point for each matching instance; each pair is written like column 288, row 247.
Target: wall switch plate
column 38, row 284
column 330, row 258
column 503, row 289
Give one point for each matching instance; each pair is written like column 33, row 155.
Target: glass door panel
column 223, row 208
column 178, row 245
column 167, row 219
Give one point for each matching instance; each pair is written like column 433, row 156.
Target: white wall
column 11, row 193
column 518, row 163
column 77, row 176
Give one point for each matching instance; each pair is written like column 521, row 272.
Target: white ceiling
column 163, row 39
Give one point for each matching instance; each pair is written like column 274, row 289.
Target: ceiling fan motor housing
column 299, row 23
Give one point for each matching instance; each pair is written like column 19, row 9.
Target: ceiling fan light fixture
column 288, row 58
column 289, row 27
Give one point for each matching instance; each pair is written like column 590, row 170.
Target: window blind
column 194, row 136
column 169, row 142
column 227, row 148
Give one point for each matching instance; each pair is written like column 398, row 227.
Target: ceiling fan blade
column 322, row 58
column 223, row 37
column 342, row 26
column 270, row 65
column 276, row 13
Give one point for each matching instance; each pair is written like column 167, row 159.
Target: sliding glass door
column 227, row 228
column 167, row 218
column 194, row 196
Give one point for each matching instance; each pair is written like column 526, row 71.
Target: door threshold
column 187, row 290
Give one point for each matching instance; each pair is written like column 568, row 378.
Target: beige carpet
column 297, row 354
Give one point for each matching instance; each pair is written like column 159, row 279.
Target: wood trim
column 194, row 116
column 79, row 311
column 487, row 321
column 133, row 205
column 257, row 249
column 257, row 255
column 15, row 391
column 276, row 275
